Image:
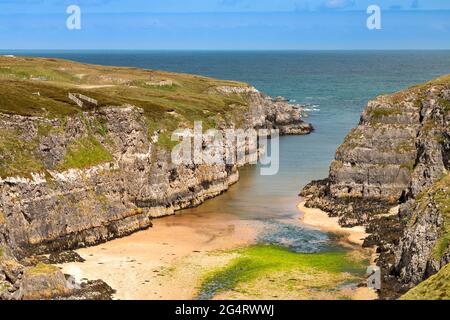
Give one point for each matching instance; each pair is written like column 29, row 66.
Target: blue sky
column 224, row 24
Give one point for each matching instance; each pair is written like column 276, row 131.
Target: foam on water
column 294, row 237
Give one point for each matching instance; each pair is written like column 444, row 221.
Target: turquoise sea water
column 335, row 85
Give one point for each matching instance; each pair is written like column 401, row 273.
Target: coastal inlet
column 245, row 244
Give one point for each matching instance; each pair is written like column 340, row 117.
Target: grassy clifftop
column 40, row 87
column 436, row 287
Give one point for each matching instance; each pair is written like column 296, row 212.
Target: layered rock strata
column 397, row 156
column 67, row 204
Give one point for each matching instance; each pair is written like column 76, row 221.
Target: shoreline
column 320, row 220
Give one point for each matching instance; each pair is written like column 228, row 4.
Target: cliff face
column 71, row 205
column 398, row 155
column 424, row 247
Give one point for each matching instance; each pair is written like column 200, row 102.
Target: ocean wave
column 312, row 107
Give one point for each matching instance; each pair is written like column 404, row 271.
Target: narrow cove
column 248, row 243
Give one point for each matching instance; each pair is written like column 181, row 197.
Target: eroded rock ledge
column 66, row 204
column 397, row 156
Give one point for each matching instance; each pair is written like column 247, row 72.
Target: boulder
column 43, row 282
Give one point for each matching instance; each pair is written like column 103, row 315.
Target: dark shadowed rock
column 64, row 257
column 91, row 290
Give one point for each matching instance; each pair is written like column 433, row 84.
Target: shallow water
column 294, row 237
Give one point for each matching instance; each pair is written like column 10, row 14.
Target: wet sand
column 319, row 219
column 145, row 264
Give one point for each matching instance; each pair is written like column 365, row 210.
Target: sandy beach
column 319, row 219
column 166, row 261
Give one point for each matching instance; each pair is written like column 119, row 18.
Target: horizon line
column 406, row 10
column 202, row 49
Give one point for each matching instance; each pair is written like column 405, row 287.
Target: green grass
column 446, row 104
column 379, row 113
column 409, row 165
column 84, row 153
column 17, row 156
column 263, row 260
column 441, row 197
column 420, row 92
column 165, row 141
column 46, row 129
column 437, row 196
column 100, row 126
column 189, row 96
column 437, row 287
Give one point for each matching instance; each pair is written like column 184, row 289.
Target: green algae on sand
column 295, row 275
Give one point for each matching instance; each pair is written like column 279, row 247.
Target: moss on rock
column 85, row 152
column 43, row 282
column 441, row 198
column 17, row 156
column 2, row 220
column 42, row 268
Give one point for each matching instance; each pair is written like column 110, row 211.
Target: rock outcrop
column 102, row 174
column 397, row 156
column 43, row 282
column 424, row 247
column 10, row 274
column 437, row 287
column 32, row 279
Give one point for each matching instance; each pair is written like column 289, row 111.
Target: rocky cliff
column 391, row 174
column 77, row 177
column 71, row 205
